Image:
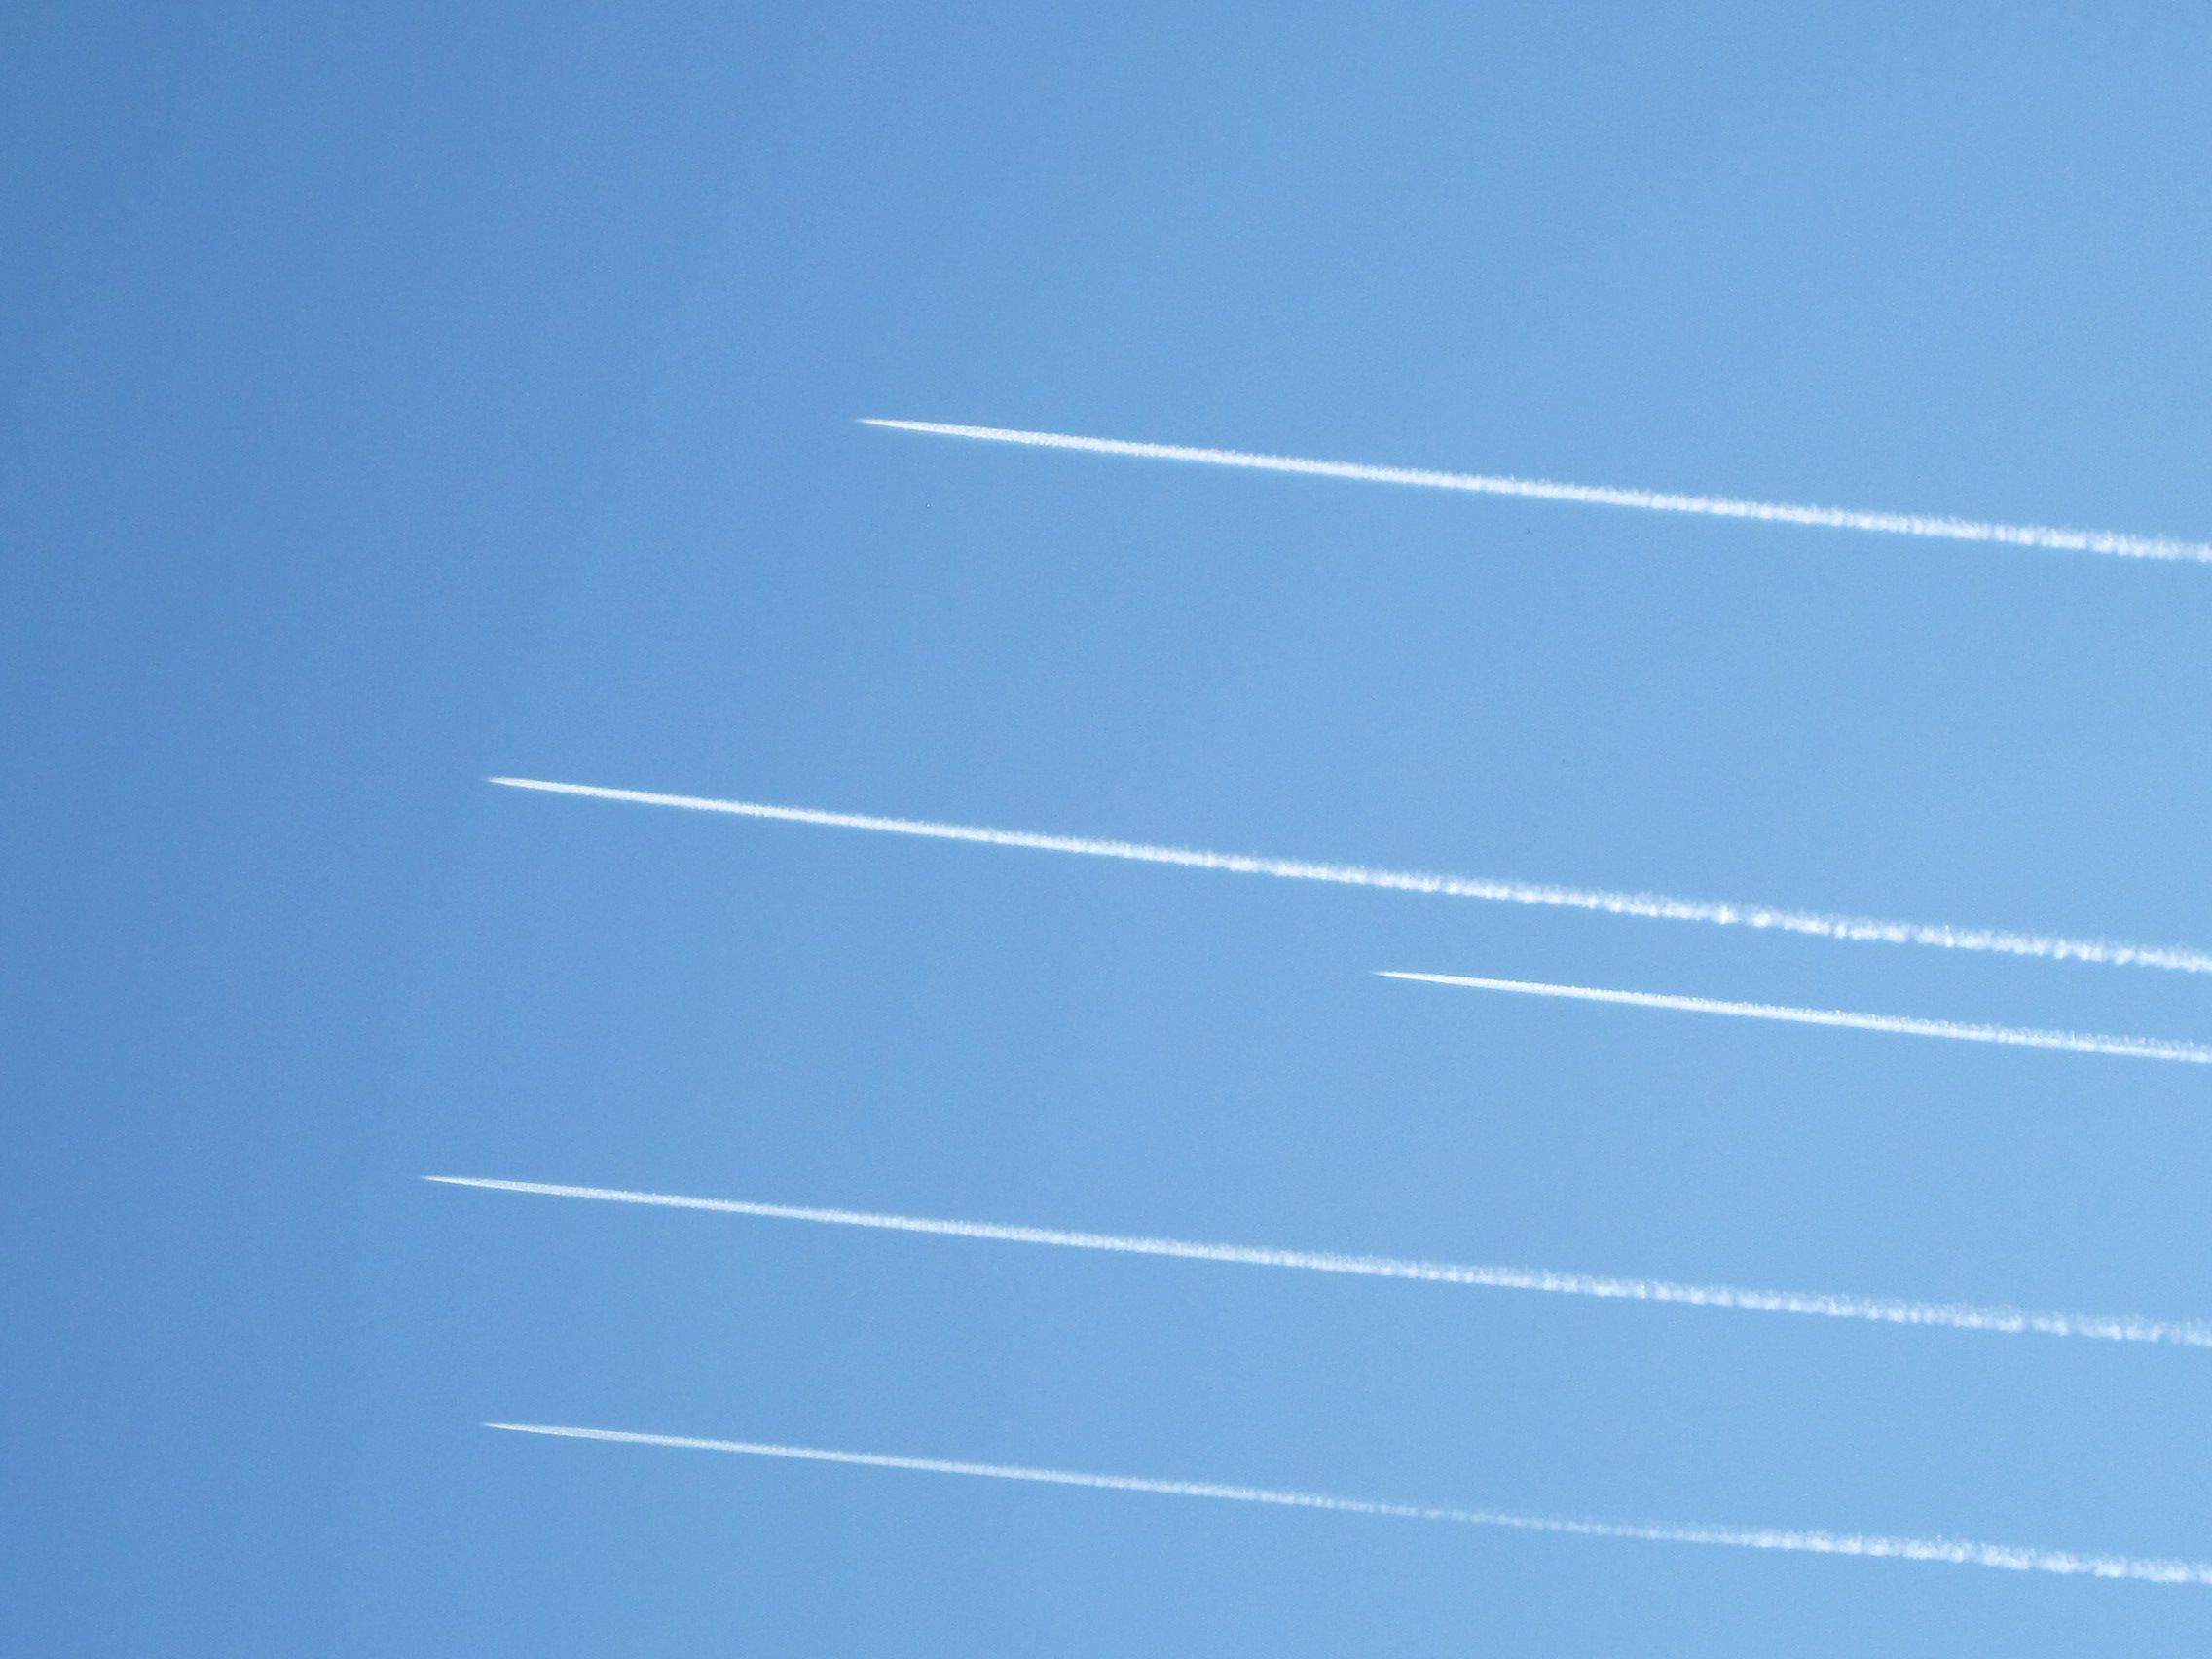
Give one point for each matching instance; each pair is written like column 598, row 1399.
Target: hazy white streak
column 2080, row 1042
column 1600, row 494
column 1958, row 1552
column 1647, row 904
column 1955, row 1316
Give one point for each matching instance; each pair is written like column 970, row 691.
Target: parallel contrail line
column 2049, row 946
column 1953, row 1551
column 2048, row 536
column 2078, row 1041
column 2126, row 1328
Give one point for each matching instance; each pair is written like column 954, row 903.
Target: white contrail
column 2125, row 1328
column 1600, row 494
column 2080, row 1042
column 1651, row 904
column 1957, row 1552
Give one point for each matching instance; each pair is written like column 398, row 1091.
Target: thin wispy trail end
column 2050, row 537
column 1956, row 1552
column 2023, row 1037
column 1653, row 905
column 1889, row 1311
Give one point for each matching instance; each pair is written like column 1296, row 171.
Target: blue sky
column 404, row 396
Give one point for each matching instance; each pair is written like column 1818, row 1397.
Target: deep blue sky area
column 401, row 395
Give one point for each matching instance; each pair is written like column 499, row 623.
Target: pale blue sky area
column 403, row 394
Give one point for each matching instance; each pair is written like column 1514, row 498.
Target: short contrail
column 1600, row 494
column 2125, row 1328
column 2080, row 1042
column 1649, row 904
column 1957, row 1552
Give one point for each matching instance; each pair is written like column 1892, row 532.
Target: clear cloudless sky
column 399, row 394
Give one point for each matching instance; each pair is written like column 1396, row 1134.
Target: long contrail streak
column 2125, row 1328
column 2053, row 948
column 2078, row 1041
column 1958, row 1552
column 2047, row 537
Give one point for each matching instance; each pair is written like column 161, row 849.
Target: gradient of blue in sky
column 403, row 394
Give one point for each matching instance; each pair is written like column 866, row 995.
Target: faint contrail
column 2125, row 1328
column 1651, row 904
column 2080, row 1042
column 1600, row 494
column 1958, row 1552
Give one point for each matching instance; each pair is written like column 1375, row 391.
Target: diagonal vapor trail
column 2050, row 537
column 1961, row 1316
column 2078, row 1042
column 1720, row 913
column 2011, row 1558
